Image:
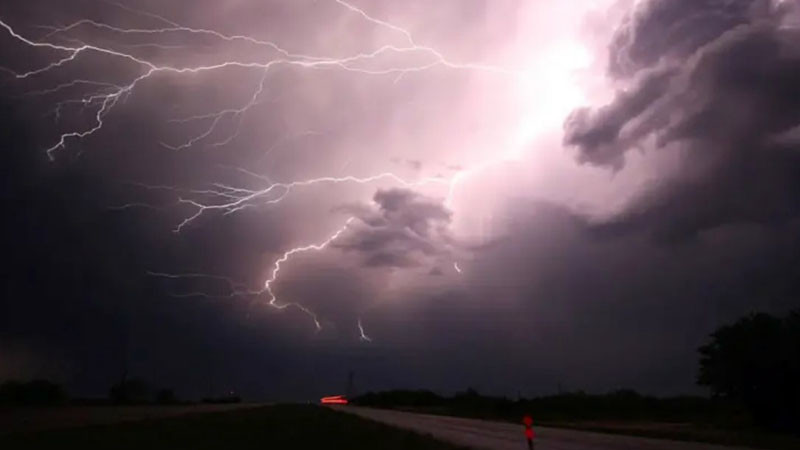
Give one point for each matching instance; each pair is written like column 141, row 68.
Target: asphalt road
column 481, row 434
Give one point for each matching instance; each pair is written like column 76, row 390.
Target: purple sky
column 510, row 195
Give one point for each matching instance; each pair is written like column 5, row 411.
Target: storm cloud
column 400, row 229
column 553, row 198
column 726, row 102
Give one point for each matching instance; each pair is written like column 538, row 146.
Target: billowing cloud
column 672, row 30
column 502, row 286
column 604, row 134
column 400, row 228
column 726, row 100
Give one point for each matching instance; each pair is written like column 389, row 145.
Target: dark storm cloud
column 399, row 229
column 547, row 304
column 592, row 313
column 674, row 29
column 77, row 303
column 729, row 109
column 598, row 133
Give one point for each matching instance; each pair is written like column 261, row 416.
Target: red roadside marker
column 528, row 421
column 529, row 434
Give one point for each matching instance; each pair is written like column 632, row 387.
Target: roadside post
column 529, row 434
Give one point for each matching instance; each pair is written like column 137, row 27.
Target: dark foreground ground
column 28, row 419
column 267, row 427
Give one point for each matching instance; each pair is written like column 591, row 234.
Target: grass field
column 270, row 427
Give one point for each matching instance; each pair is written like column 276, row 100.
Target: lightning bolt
column 273, row 301
column 102, row 97
column 240, row 198
column 362, row 335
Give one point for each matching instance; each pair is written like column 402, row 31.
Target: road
column 481, row 434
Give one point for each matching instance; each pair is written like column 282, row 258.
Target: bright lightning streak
column 235, row 289
column 237, row 199
column 362, row 334
column 232, row 284
column 456, row 267
column 142, row 13
column 230, row 199
column 108, row 101
column 413, row 46
column 273, row 301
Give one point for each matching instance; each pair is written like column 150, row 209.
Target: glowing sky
column 392, row 182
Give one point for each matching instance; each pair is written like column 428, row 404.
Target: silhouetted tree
column 399, row 398
column 757, row 361
column 223, row 400
column 32, row 393
column 623, row 404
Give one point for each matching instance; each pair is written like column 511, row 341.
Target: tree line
column 751, row 368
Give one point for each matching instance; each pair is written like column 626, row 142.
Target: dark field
column 29, row 419
column 268, row 427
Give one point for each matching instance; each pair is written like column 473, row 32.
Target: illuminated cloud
column 398, row 230
column 445, row 189
column 721, row 99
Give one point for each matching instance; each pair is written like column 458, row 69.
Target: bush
column 31, row 393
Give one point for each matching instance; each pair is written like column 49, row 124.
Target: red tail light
column 334, row 400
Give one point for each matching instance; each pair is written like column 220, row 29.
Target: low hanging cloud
column 726, row 98
column 401, row 228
